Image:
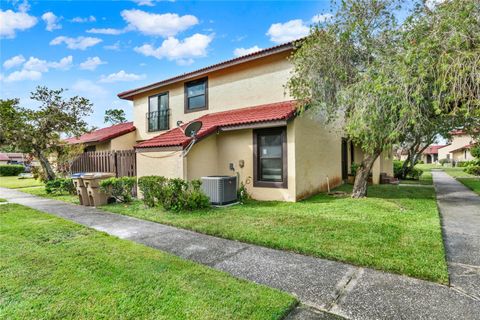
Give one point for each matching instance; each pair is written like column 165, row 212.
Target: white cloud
column 35, row 64
column 115, row 46
column 24, row 6
column 11, row 21
column 288, row 31
column 89, row 88
column 181, row 51
column 244, row 51
column 320, row 18
column 81, row 43
column 431, row 4
column 23, row 75
column 51, row 20
column 121, row 76
column 14, row 61
column 91, row 63
column 64, row 63
column 165, row 25
column 110, row 31
column 148, row 3
column 83, row 20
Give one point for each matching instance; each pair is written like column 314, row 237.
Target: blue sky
column 99, row 48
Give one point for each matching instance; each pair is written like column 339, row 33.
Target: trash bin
column 80, row 188
column 91, row 180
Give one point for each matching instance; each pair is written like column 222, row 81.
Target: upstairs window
column 196, row 95
column 157, row 115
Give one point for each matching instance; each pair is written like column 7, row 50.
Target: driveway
column 460, row 211
column 323, row 287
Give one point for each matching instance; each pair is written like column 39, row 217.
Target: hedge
column 9, row 170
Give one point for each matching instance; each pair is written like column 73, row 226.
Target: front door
column 344, row 159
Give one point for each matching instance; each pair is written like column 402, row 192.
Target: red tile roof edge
column 433, row 149
column 150, row 143
column 129, row 127
column 128, row 95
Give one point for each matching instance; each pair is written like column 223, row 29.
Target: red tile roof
column 103, row 134
column 215, row 121
column 4, row 157
column 433, row 149
column 218, row 66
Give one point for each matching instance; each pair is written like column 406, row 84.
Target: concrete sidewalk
column 342, row 289
column 460, row 211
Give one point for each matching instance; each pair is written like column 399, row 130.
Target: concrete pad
column 303, row 312
column 465, row 278
column 379, row 295
column 314, row 281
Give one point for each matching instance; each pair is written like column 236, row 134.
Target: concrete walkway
column 342, row 289
column 460, row 211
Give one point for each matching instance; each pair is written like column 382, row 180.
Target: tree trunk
column 361, row 178
column 46, row 166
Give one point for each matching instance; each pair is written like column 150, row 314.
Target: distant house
column 250, row 129
column 430, row 154
column 459, row 147
column 4, row 159
column 117, row 137
column 12, row 158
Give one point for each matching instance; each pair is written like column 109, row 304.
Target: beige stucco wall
column 252, row 83
column 202, row 159
column 213, row 155
column 160, row 163
column 318, row 155
column 124, row 142
column 462, row 155
column 103, row 146
column 457, row 142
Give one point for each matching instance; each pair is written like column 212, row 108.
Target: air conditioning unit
column 220, row 189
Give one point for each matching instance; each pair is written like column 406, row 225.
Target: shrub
column 173, row 194
column 413, row 174
column 60, row 186
column 397, row 168
column 353, row 168
column 151, row 188
column 463, row 164
column 475, row 151
column 9, row 170
column 444, row 161
column 242, row 193
column 475, row 170
column 119, row 188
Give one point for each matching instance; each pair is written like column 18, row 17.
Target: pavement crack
column 344, row 286
column 465, row 293
column 226, row 257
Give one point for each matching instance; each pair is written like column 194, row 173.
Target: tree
column 343, row 70
column 387, row 82
column 115, row 116
column 38, row 131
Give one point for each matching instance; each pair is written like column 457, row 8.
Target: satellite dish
column 192, row 129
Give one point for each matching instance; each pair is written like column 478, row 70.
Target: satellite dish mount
column 190, row 131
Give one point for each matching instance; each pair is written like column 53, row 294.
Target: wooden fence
column 122, row 162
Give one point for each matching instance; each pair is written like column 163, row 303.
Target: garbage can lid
column 97, row 175
column 77, row 175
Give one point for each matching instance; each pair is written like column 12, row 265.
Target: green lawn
column 3, row 200
column 40, row 191
column 15, row 182
column 470, row 181
column 55, row 269
column 396, row 229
